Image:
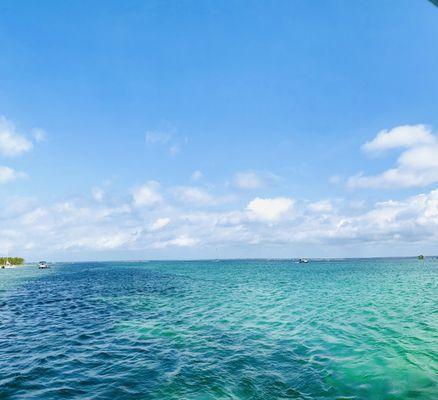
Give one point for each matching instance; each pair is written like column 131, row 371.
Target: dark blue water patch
column 63, row 318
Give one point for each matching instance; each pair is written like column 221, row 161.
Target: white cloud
column 394, row 178
column 39, row 135
column 12, row 143
column 12, row 206
column 147, row 195
column 412, row 219
column 153, row 137
column 69, row 226
column 9, row 175
column 196, row 176
column 184, row 241
column 417, row 165
column 194, row 195
column 420, row 158
column 322, row 206
column 103, row 241
column 97, row 193
column 269, row 209
column 34, row 216
column 250, row 180
column 180, row 241
column 76, row 225
column 404, row 136
column 164, row 139
column 159, row 223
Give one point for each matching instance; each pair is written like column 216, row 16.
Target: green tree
column 12, row 260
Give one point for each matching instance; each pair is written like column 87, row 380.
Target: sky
column 218, row 129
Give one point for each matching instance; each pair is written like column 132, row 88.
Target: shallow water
column 352, row 329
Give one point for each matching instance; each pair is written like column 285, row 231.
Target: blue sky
column 241, row 126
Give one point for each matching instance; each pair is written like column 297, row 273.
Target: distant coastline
column 11, row 260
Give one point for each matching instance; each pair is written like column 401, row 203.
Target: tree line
column 12, row 260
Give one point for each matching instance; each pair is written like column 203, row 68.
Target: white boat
column 43, row 265
column 303, row 260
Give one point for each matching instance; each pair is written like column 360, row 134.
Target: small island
column 11, row 261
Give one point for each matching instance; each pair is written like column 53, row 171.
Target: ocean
column 235, row 329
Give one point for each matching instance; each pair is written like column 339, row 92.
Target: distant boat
column 421, row 257
column 303, row 260
column 43, row 265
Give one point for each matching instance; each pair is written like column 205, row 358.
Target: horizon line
column 239, row 259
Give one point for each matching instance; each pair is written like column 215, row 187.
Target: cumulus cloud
column 401, row 136
column 9, row 175
column 68, row 225
column 12, row 143
column 194, row 195
column 269, row 209
column 416, row 166
column 71, row 226
column 147, row 194
column 159, row 223
column 412, row 219
column 250, row 180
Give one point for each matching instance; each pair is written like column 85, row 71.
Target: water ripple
column 359, row 329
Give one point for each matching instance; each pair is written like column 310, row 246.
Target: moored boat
column 43, row 265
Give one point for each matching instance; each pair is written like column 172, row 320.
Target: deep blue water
column 351, row 329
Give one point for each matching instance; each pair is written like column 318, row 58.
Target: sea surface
column 244, row 329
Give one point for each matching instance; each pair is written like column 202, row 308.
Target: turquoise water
column 352, row 329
